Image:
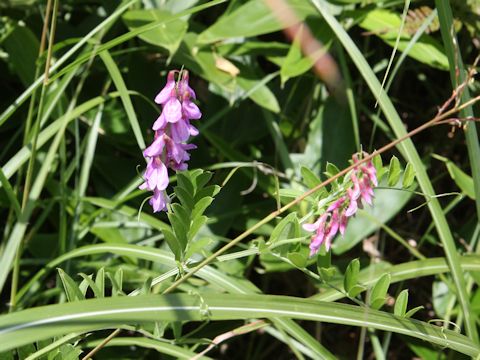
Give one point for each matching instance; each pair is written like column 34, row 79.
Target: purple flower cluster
column 334, row 220
column 172, row 129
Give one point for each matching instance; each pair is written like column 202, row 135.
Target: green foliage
column 378, row 295
column 187, row 216
column 350, row 281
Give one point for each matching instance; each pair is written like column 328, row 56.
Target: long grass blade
column 30, row 325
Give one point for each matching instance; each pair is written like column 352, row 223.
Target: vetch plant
column 169, row 149
column 357, row 188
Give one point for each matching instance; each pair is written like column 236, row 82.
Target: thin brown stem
column 102, row 344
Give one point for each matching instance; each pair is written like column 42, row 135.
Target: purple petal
column 156, row 148
column 159, row 201
column 317, row 241
column 336, row 204
column 180, row 131
column 352, row 208
column 160, row 122
column 162, row 177
column 172, row 110
column 175, row 151
column 355, row 192
column 168, row 91
column 185, row 89
column 310, row 227
column 192, row 130
column 191, row 110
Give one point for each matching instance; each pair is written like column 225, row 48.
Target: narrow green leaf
column 394, row 171
column 117, row 283
column 198, row 247
column 185, row 197
column 331, row 169
column 356, row 290
column 408, row 176
column 378, row 164
column 181, row 215
column 351, row 275
column 283, row 226
column 117, row 78
column 295, row 62
column 401, row 303
column 180, row 231
column 309, row 177
column 201, row 180
column 379, row 292
column 208, row 191
column 173, row 244
column 10, row 194
column 91, row 284
column 118, row 286
column 70, row 286
column 201, row 206
column 100, row 281
column 184, row 180
column 463, row 181
column 412, row 312
column 197, row 223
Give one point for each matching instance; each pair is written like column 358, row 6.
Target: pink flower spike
column 168, row 91
column 172, row 110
